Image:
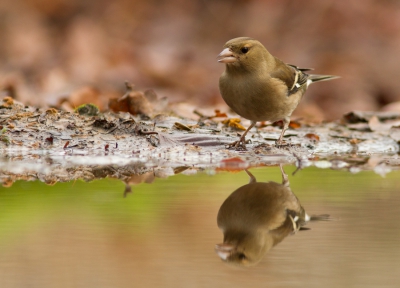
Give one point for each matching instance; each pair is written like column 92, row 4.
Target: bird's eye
column 242, row 256
column 245, row 50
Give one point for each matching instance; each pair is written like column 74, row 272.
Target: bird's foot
column 239, row 145
column 283, row 144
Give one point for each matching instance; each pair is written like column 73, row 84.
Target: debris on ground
column 53, row 145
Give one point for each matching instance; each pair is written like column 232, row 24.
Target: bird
column 260, row 87
column 258, row 216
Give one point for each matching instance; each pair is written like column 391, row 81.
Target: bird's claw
column 239, row 145
column 282, row 144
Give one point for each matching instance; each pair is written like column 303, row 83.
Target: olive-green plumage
column 259, row 86
column 256, row 217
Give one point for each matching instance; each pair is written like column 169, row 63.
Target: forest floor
column 53, row 145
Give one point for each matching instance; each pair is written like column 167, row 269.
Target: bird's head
column 244, row 251
column 244, row 53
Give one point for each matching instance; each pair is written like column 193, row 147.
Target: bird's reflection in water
column 256, row 217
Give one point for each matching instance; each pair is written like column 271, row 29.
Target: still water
column 164, row 234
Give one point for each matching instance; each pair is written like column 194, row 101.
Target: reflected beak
column 226, row 56
column 224, row 250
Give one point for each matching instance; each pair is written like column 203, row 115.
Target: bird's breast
column 258, row 98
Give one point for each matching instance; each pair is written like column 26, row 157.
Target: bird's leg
column 286, row 122
column 243, row 137
column 252, row 178
column 294, row 224
column 285, row 179
column 241, row 143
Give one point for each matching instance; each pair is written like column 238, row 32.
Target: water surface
column 163, row 234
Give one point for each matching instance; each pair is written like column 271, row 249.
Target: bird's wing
column 298, row 68
column 292, row 76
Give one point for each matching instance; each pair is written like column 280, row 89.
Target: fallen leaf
column 7, row 102
column 49, row 140
column 312, row 136
column 393, row 107
column 233, row 122
column 180, row 169
column 294, row 125
column 376, row 125
column 84, row 95
column 218, row 114
column 359, row 127
column 150, row 95
column 181, row 126
column 14, row 142
column 147, row 177
column 365, row 116
column 133, row 102
column 263, row 124
column 66, row 144
column 7, row 182
column 51, row 111
column 233, row 164
column 354, row 141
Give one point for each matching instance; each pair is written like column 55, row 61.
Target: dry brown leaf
column 19, row 143
column 51, row 111
column 7, row 182
column 365, row 116
column 219, row 114
column 35, row 145
column 147, row 177
column 233, row 122
column 8, row 101
column 359, row 126
column 355, row 141
column 235, row 164
column 295, row 124
column 376, row 125
column 181, row 126
column 151, row 95
column 134, row 102
column 119, row 104
column 86, row 95
column 312, row 136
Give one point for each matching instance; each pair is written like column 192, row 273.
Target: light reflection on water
column 163, row 234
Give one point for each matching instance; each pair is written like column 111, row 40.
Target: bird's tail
column 316, row 78
column 321, row 217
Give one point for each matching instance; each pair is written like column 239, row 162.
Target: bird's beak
column 226, row 56
column 224, row 250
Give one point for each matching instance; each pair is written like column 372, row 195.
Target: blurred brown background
column 52, row 48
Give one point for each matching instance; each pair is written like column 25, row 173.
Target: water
column 163, row 234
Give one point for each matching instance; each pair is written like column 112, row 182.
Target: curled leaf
column 233, row 122
column 181, row 126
